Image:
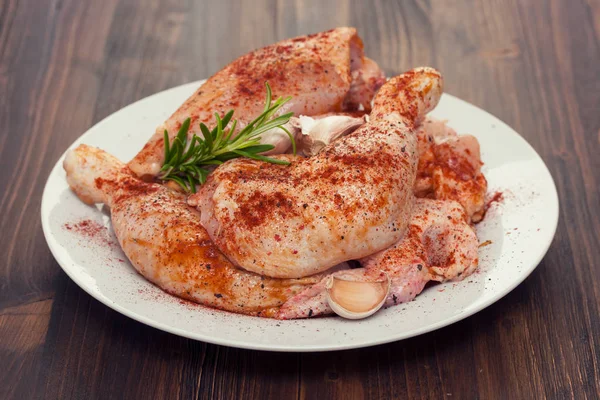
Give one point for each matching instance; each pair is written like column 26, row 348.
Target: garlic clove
column 314, row 134
column 278, row 138
column 356, row 299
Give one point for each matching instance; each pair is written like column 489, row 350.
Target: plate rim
column 276, row 347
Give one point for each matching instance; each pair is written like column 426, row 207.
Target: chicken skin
column 322, row 73
column 381, row 184
column 439, row 245
column 449, row 165
column 450, row 168
column 164, row 240
column 351, row 200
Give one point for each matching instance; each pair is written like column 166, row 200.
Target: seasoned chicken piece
column 352, row 199
column 367, row 78
column 164, row 240
column 322, row 72
column 440, row 245
column 450, row 167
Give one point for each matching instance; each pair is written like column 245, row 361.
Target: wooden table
column 66, row 64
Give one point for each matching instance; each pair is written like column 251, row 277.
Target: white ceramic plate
column 521, row 228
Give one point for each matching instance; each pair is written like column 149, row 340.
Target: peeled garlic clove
column 356, row 299
column 316, row 133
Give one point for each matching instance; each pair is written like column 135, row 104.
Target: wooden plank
column 50, row 63
column 23, row 331
column 65, row 65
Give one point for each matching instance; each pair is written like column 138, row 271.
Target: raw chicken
column 322, row 72
column 440, row 245
column 352, row 199
column 367, row 78
column 164, row 240
column 450, row 167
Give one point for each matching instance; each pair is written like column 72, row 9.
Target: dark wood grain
column 66, row 64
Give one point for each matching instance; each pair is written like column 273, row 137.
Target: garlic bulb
column 356, row 299
column 313, row 134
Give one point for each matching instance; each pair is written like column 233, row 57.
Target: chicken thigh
column 351, row 200
column 322, row 72
column 450, row 167
column 164, row 240
column 439, row 245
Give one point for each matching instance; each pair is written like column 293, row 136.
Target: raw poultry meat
column 439, row 245
column 450, row 167
column 286, row 229
column 322, row 72
column 164, row 240
column 349, row 201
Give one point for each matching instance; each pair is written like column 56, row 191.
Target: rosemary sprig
column 185, row 163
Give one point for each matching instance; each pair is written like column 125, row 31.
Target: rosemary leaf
column 167, row 147
column 261, row 158
column 183, row 130
column 259, row 148
column 208, row 137
column 185, row 161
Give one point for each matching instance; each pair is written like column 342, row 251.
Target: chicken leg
column 351, row 200
column 164, row 240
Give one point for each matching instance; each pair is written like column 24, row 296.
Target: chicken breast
column 351, row 200
column 165, row 242
column 322, row 72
